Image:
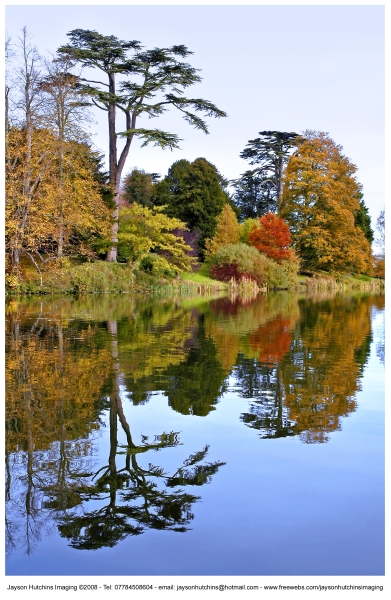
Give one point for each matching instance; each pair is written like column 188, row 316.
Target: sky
column 281, row 68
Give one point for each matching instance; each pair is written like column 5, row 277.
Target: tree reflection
column 133, row 497
column 52, row 407
column 315, row 378
column 268, row 413
column 63, row 376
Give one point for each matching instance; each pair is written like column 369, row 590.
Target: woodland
column 298, row 209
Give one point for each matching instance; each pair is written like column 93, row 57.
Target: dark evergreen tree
column 251, row 198
column 193, row 192
column 270, row 153
column 137, row 186
column 362, row 219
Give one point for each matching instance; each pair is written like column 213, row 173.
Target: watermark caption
column 223, row 587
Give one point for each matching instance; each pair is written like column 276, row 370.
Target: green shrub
column 156, row 265
column 283, row 276
column 246, row 258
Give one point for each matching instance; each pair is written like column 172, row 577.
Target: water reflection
column 74, row 366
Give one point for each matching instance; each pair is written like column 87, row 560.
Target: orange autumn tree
column 320, row 202
column 272, row 238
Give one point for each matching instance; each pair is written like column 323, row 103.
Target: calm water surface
column 195, row 437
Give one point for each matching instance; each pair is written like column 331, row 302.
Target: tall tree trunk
column 60, row 238
column 112, row 253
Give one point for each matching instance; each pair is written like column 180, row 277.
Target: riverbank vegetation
column 298, row 218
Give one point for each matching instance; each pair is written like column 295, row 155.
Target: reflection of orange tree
column 272, row 341
column 254, row 329
column 315, row 383
column 323, row 373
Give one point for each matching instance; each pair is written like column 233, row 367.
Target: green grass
column 202, row 276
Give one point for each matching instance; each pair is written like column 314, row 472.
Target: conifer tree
column 152, row 81
column 259, row 191
column 362, row 218
column 227, row 231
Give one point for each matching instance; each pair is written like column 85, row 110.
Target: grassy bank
column 107, row 278
column 340, row 282
column 112, row 278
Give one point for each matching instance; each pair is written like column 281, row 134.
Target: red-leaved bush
column 226, row 272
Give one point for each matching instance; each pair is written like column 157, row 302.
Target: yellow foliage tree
column 143, row 230
column 227, row 231
column 319, row 202
column 42, row 212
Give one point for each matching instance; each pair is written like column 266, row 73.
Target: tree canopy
column 272, row 238
column 227, row 231
column 193, row 192
column 319, row 202
column 137, row 186
column 362, row 219
column 259, row 191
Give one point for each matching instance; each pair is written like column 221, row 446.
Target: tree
column 253, row 196
column 380, row 259
column 259, row 191
column 193, row 192
column 381, row 229
column 137, row 186
column 245, row 228
column 227, row 231
column 362, row 219
column 28, row 109
column 32, row 220
column 158, row 72
column 65, row 112
column 319, row 203
column 143, row 230
column 272, row 237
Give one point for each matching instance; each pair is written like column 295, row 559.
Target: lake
column 195, row 436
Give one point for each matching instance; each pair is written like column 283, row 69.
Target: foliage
column 259, row 191
column 153, row 81
column 283, row 276
column 191, row 239
column 379, row 268
column 157, row 265
column 245, row 228
column 229, row 271
column 252, row 196
column 362, row 219
column 240, row 259
column 193, row 192
column 143, row 230
column 227, row 231
column 319, row 203
column 33, row 219
column 272, row 238
column 137, row 186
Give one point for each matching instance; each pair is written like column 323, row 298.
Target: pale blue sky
column 286, row 68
